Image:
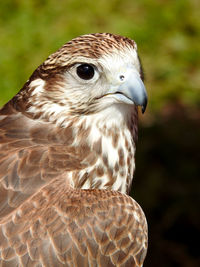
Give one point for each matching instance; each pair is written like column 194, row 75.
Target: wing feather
column 32, row 154
column 52, row 234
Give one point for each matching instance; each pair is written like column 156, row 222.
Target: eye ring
column 85, row 71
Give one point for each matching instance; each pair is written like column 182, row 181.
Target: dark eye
column 85, row 71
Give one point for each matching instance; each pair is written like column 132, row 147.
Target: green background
column 167, row 32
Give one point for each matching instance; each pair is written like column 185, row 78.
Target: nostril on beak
column 121, row 77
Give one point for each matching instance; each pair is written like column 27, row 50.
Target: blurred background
column 166, row 182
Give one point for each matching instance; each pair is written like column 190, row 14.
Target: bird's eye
column 85, row 71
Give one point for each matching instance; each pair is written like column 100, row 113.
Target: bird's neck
column 110, row 136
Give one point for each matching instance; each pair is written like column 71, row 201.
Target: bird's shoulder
column 32, row 154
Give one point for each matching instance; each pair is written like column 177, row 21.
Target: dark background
column 167, row 187
column 166, row 182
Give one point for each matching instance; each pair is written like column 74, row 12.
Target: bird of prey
column 67, row 148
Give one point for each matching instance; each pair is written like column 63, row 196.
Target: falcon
column 67, row 159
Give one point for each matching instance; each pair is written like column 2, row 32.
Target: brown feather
column 46, row 217
column 65, row 231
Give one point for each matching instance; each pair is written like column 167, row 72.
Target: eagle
column 67, row 159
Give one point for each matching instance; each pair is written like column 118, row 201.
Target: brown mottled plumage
column 67, row 146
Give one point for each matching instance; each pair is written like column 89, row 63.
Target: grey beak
column 134, row 89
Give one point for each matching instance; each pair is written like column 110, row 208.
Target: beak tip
column 144, row 106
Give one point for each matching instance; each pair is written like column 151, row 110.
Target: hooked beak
column 132, row 90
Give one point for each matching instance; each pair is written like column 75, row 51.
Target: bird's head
column 87, row 75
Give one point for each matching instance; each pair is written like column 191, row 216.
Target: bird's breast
column 109, row 161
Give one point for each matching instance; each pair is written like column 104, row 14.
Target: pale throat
column 112, row 144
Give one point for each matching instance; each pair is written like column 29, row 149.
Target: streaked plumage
column 67, row 147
